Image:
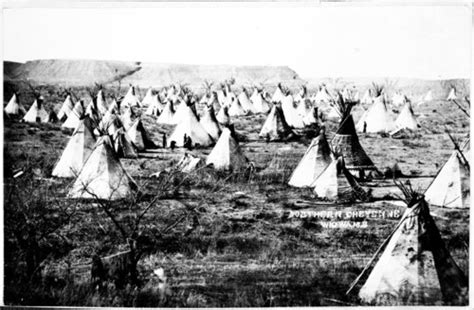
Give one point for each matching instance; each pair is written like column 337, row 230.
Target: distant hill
column 9, row 67
column 88, row 72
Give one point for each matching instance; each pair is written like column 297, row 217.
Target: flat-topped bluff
column 87, row 72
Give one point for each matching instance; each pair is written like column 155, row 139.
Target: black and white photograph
column 236, row 154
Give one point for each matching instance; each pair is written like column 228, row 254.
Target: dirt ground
column 247, row 250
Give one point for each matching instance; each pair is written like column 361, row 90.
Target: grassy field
column 245, row 249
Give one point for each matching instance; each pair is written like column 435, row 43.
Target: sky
column 423, row 41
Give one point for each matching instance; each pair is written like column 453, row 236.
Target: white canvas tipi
column 66, row 108
column 316, row 158
column 190, row 127
column 452, row 95
column 75, row 116
column 131, row 98
column 167, row 115
column 102, row 175
column 290, row 112
column 406, row 119
column 209, row 122
column 337, row 183
column 415, row 267
column 36, row 113
column 451, row 186
column 377, row 119
column 275, row 126
column 14, row 107
column 278, row 94
column 226, row 154
column 77, row 150
column 148, row 99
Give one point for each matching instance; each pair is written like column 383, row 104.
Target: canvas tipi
column 452, row 95
column 14, row 107
column 406, row 119
column 377, row 119
column 36, row 113
column 148, row 99
column 209, row 122
column 167, row 115
column 66, row 108
column 346, row 142
column 103, row 176
column 428, row 97
column 226, row 154
column 278, row 94
column 245, row 101
column 190, row 127
column 336, row 183
column 275, row 127
column 77, row 150
column 139, row 136
column 75, row 116
column 451, row 186
column 260, row 105
column 131, row 98
column 415, row 267
column 290, row 112
column 316, row 158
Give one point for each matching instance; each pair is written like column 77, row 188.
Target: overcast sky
column 366, row 41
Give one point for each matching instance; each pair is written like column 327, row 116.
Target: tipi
column 167, row 115
column 275, row 126
column 36, row 113
column 428, row 96
column 123, row 146
column 406, row 119
column 451, row 186
column 77, row 150
column 139, row 136
column 226, row 154
column 223, row 116
column 336, row 183
column 415, row 267
column 377, row 119
column 148, row 99
column 260, row 105
column 75, row 116
column 452, row 95
column 66, row 108
column 316, row 158
column 367, row 98
column 103, row 176
column 131, row 99
column 236, row 108
column 245, row 101
column 278, row 94
column 209, row 122
column 190, row 127
column 154, row 106
column 346, row 142
column 14, row 107
column 290, row 112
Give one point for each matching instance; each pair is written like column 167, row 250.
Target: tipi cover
column 75, row 116
column 102, row 175
column 66, row 108
column 316, row 158
column 131, row 99
column 223, row 116
column 14, row 107
column 148, row 99
column 415, row 267
column 346, row 143
column 36, row 113
column 260, row 105
column 245, row 101
column 209, row 122
column 139, row 136
column 406, row 119
column 377, row 119
column 77, row 150
column 167, row 115
column 275, row 126
column 452, row 95
column 278, row 94
column 337, row 183
column 236, row 108
column 290, row 112
column 451, row 186
column 123, row 146
column 190, row 127
column 226, row 154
